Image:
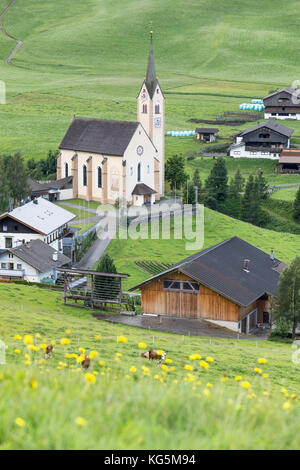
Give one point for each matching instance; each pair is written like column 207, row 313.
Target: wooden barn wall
column 206, row 304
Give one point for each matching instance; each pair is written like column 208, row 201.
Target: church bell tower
column 151, row 113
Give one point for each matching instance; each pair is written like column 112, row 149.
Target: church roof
column 102, row 136
column 151, row 80
column 141, row 189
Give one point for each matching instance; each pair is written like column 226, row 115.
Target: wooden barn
column 229, row 284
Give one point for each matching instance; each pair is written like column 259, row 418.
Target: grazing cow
column 48, row 351
column 154, row 355
column 86, row 362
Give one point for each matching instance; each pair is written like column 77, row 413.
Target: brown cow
column 86, row 362
column 48, row 351
column 154, row 355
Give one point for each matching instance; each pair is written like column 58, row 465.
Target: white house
column 265, row 140
column 34, row 261
column 108, row 158
column 39, row 219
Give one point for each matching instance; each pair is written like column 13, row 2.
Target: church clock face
column 140, row 150
column 157, row 122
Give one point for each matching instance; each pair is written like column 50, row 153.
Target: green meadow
column 125, row 402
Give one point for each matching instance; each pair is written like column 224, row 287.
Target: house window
column 157, row 110
column 3, row 266
column 19, row 267
column 8, row 242
column 66, row 170
column 84, row 175
column 11, row 266
column 4, row 228
column 99, row 177
column 264, row 136
column 144, row 109
column 10, row 255
column 139, row 168
column 181, row 286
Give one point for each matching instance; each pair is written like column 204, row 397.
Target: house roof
column 272, row 99
column 100, row 136
column 272, row 125
column 142, row 189
column 220, row 268
column 41, row 215
column 206, row 130
column 39, row 255
column 58, row 184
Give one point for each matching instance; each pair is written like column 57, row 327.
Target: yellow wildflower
column 169, row 361
column 209, row 359
column 207, row 392
column 93, row 354
column 142, row 345
column 18, row 337
column 246, row 384
column 101, row 363
column 90, row 378
column 119, row 354
column 122, row 339
column 34, row 384
column 80, row 421
column 68, row 332
column 97, row 337
column 194, row 357
column 132, row 369
column 20, row 422
column 238, row 378
column 204, row 365
column 17, row 351
column 65, row 341
column 287, row 405
column 188, row 367
column 257, row 370
column 262, row 360
column 28, row 339
column 224, row 379
column 265, row 376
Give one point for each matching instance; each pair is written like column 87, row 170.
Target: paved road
column 182, row 326
column 3, row 31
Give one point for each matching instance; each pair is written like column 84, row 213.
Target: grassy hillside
column 80, row 58
column 127, row 403
column 217, row 227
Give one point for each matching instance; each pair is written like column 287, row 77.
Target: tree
column 4, row 191
column 16, row 177
column 190, row 193
column 251, row 203
column 296, row 207
column 263, row 188
column 287, row 304
column 237, row 183
column 216, row 183
column 106, row 287
column 174, row 171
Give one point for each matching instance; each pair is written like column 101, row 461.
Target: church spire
column 151, row 80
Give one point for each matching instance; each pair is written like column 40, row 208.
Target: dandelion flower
column 80, row 421
column 101, row 363
column 209, row 384
column 28, row 339
column 224, row 379
column 17, row 351
column 194, row 357
column 132, row 369
column 34, row 384
column 287, row 405
column 188, row 367
column 97, row 337
column 257, row 370
column 262, row 360
column 245, row 385
column 122, row 339
column 20, row 422
column 207, row 392
column 238, row 378
column 169, row 361
column 68, row 332
column 119, row 354
column 90, row 378
column 265, row 376
column 204, row 365
column 93, row 354
column 209, row 359
column 142, row 345
column 65, row 341
column 18, row 337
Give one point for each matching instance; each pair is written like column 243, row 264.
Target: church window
column 148, row 169
column 139, row 168
column 131, row 171
column 84, row 178
column 157, row 110
column 144, row 109
column 99, row 177
column 66, row 170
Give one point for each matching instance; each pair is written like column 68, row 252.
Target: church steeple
column 151, row 80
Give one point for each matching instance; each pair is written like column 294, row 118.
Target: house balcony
column 12, row 273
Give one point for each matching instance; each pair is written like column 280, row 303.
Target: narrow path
column 3, row 31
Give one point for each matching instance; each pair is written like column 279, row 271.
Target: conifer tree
column 296, row 208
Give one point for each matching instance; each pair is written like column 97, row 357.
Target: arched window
column 144, row 109
column 66, row 170
column 84, row 175
column 148, row 169
column 157, row 110
column 139, row 167
column 99, row 177
column 131, row 171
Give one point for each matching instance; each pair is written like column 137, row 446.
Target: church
column 110, row 160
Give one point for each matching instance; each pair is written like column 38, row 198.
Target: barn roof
column 291, row 92
column 100, row 136
column 272, row 125
column 206, row 130
column 220, row 268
